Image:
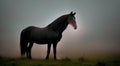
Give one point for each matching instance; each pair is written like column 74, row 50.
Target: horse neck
column 59, row 25
column 62, row 27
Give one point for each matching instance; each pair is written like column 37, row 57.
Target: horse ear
column 71, row 13
column 74, row 13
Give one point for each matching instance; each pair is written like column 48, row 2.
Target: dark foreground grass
column 62, row 62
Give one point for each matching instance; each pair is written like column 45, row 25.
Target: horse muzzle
column 73, row 25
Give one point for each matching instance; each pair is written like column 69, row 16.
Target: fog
column 98, row 21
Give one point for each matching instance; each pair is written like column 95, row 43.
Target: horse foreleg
column 54, row 50
column 48, row 51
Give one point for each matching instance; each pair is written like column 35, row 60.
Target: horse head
column 71, row 20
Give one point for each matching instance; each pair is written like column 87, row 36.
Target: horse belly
column 44, row 37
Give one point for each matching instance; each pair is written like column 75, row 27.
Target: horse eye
column 73, row 18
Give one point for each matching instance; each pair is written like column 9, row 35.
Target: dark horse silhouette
column 50, row 34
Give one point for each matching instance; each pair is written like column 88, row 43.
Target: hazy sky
column 98, row 26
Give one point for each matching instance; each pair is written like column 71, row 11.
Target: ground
column 62, row 62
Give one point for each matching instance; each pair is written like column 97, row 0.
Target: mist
column 98, row 21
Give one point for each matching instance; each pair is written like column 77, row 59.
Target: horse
column 50, row 35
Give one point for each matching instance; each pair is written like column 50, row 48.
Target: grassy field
column 62, row 62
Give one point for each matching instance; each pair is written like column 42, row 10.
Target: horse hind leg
column 29, row 47
column 48, row 51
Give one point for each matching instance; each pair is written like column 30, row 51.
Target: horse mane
column 59, row 24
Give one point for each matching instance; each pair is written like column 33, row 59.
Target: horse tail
column 25, row 35
column 23, row 43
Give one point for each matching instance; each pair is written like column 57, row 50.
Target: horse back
column 41, row 35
